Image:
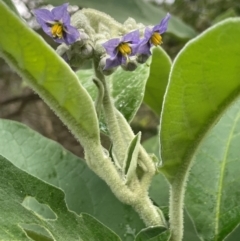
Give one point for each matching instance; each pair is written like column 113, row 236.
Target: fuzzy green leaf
column 16, row 185
column 128, row 89
column 11, row 6
column 157, row 80
column 149, row 233
column 48, row 75
column 212, row 197
column 85, row 192
column 204, row 81
column 130, row 162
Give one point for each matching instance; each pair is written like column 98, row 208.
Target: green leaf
column 127, row 89
column 148, row 233
column 159, row 189
column 163, row 236
column 130, row 162
column 234, row 235
column 213, row 192
column 48, row 75
column 11, row 6
column 140, row 10
column 204, row 81
column 41, row 209
column 37, row 232
column 157, row 80
column 15, row 185
column 85, row 192
column 152, row 145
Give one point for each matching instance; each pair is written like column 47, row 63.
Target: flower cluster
column 83, row 41
column 56, row 24
column 130, row 44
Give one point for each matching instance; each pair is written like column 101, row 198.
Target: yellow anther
column 57, row 30
column 124, row 49
column 156, row 39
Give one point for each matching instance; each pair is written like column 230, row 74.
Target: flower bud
column 86, row 51
column 130, row 24
column 102, row 64
column 77, row 54
column 104, row 31
column 62, row 49
column 130, row 65
column 142, row 58
column 99, row 50
column 80, row 21
column 84, row 38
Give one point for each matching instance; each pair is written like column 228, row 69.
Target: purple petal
column 133, row 37
column 66, row 18
column 144, row 47
column 148, row 33
column 123, row 59
column 44, row 18
column 112, row 62
column 162, row 27
column 71, row 35
column 111, row 45
column 44, row 15
column 59, row 40
column 166, row 19
column 45, row 26
column 60, row 13
column 134, row 48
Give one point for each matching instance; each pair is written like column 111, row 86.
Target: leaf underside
column 15, row 185
column 213, row 191
column 49, row 161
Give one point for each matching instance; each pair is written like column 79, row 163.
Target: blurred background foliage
column 18, row 102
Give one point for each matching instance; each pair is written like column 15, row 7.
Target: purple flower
column 152, row 36
column 119, row 50
column 56, row 23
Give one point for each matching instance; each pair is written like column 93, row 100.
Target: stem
column 99, row 100
column 136, row 197
column 105, row 169
column 177, row 193
column 148, row 212
column 135, row 193
column 119, row 145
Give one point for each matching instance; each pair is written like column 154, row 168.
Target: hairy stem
column 119, row 145
column 148, row 212
column 99, row 100
column 134, row 193
column 177, row 193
